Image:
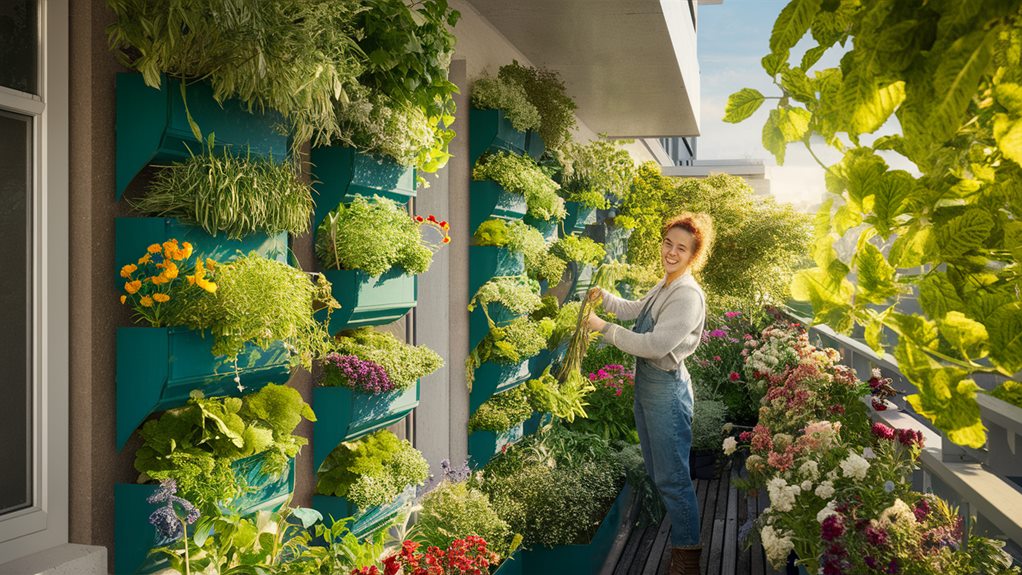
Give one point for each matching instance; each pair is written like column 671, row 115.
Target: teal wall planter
column 483, row 445
column 365, row 521
column 491, row 130
column 133, row 235
column 578, row 217
column 511, row 565
column 488, row 262
column 546, row 227
column 493, row 378
column 340, row 173
column 367, row 301
column 152, row 126
column 537, row 420
column 587, row 558
column 343, row 415
column 158, row 367
column 488, row 200
column 581, row 277
column 534, row 145
column 135, row 537
column 546, row 358
column 478, row 327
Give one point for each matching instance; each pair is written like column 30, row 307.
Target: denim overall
column 663, row 416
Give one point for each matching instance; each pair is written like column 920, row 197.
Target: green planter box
column 478, row 327
column 581, row 278
column 537, row 420
column 340, row 173
column 488, row 262
column 135, row 537
column 365, row 521
column 133, row 235
column 493, row 378
column 369, row 300
column 534, row 145
column 158, row 367
column 546, row 227
column 578, row 217
column 491, row 130
column 587, row 558
column 483, row 445
column 152, row 126
column 511, row 566
column 343, row 415
column 488, row 200
column 546, row 358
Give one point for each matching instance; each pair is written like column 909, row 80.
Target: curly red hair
column 701, row 227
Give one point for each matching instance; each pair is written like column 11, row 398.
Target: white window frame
column 45, row 523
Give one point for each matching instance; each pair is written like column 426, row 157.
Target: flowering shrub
column 373, row 470
column 609, row 412
column 468, row 556
column 716, row 367
column 402, row 364
column 354, row 373
column 455, row 510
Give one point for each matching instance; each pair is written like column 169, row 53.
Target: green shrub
column 518, row 294
column 1010, row 392
column 196, row 444
column 509, row 97
column 596, row 170
column 455, row 510
column 373, row 470
column 583, row 250
column 521, row 175
column 708, row 417
column 518, row 236
column 546, row 92
column 372, row 235
column 230, row 193
column 600, row 354
column 501, row 412
column 404, row 363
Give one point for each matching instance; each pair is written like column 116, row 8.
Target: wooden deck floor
column 723, row 511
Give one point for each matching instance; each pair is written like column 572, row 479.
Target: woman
column 668, row 326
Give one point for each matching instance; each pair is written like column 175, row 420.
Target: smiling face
column 677, row 250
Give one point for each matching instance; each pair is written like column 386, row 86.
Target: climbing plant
column 945, row 232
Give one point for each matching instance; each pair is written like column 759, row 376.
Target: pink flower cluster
column 614, row 377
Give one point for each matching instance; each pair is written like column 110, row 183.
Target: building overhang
column 630, row 64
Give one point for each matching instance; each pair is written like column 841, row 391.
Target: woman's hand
column 595, row 322
column 594, row 295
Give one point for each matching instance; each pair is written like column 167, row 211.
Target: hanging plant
column 521, row 175
column 496, row 93
column 596, row 171
column 579, row 249
column 517, row 236
column 546, row 92
column 373, row 470
column 376, row 361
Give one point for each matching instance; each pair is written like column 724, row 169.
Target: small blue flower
column 888, row 486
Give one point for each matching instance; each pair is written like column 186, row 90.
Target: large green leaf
column 938, row 296
column 949, row 401
column 873, row 331
column 865, row 170
column 876, row 106
column 742, row 104
column 792, row 23
column 891, row 200
column 968, row 336
column 797, row 85
column 1009, row 137
column 1013, row 239
column 812, row 56
column 915, row 246
column 794, row 123
column 829, row 296
column 959, row 71
column 964, row 233
column 847, row 217
column 774, row 62
column 876, row 276
column 916, row 330
column 1009, row 95
column 773, row 137
column 1005, row 328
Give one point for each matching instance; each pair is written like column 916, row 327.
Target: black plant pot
column 703, row 464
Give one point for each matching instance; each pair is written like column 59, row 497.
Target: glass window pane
column 15, row 311
column 19, row 40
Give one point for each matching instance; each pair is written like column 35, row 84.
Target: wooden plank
column 657, row 550
column 716, row 547
column 623, row 535
column 743, row 565
column 706, row 527
column 730, row 551
column 631, row 548
column 642, row 554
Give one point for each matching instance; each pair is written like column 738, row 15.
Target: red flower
column 882, row 431
column 879, row 404
column 733, row 376
column 431, row 218
column 418, row 219
column 716, row 358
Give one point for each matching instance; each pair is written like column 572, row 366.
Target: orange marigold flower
column 146, row 301
column 169, row 248
column 170, row 271
column 206, row 285
column 124, row 298
column 154, row 248
column 186, row 250
column 132, row 286
column 161, row 297
column 145, row 259
column 127, row 270
column 159, row 280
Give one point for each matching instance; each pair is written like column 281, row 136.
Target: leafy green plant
column 403, row 363
column 518, row 236
column 579, row 249
column 546, row 92
column 521, row 175
column 554, row 489
column 499, row 94
column 600, row 354
column 371, row 235
column 509, row 344
column 196, row 444
column 1010, row 392
column 294, row 56
column 454, row 510
column 501, row 412
column 565, row 320
column 951, row 74
column 708, row 417
column 230, row 193
column 373, row 470
column 564, row 401
column 595, row 171
column 610, row 410
column 257, row 300
column 518, row 294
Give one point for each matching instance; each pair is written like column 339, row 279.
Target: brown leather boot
column 685, row 560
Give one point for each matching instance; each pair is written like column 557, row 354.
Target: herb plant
column 521, row 175
column 373, row 470
column 595, row 171
column 195, row 445
column 454, row 510
column 579, row 249
column 230, row 193
column 518, row 236
column 502, row 412
column 371, row 235
column 708, row 417
column 546, row 92
column 518, row 294
column 496, row 93
column 403, row 364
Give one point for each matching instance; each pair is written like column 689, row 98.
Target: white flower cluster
column 810, row 470
column 782, row 495
column 777, row 544
column 854, row 466
column 825, row 490
column 899, row 513
column 730, row 445
column 826, row 512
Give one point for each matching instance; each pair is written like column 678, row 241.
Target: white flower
column 777, row 545
column 807, row 486
column 868, row 453
column 727, row 427
column 826, row 511
column 825, row 490
column 854, row 466
column 782, row 495
column 730, row 445
column 898, row 513
column 810, row 470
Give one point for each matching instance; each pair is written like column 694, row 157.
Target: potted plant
column 502, row 180
column 497, row 245
column 546, row 92
column 222, row 327
column 453, row 510
column 583, row 255
column 708, row 418
column 369, row 478
column 497, row 423
column 594, row 175
column 370, row 381
column 501, row 117
column 371, row 250
column 609, row 412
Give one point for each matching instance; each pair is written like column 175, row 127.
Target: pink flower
column 882, row 431
column 832, row 528
column 732, row 314
column 879, row 404
column 780, row 461
column 716, row 358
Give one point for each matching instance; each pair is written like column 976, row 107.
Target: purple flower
column 167, row 519
column 718, row 333
column 832, row 528
column 167, row 489
column 870, row 562
column 893, row 567
column 876, row 537
column 167, row 525
column 358, row 374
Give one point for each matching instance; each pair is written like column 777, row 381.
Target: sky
column 732, row 38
